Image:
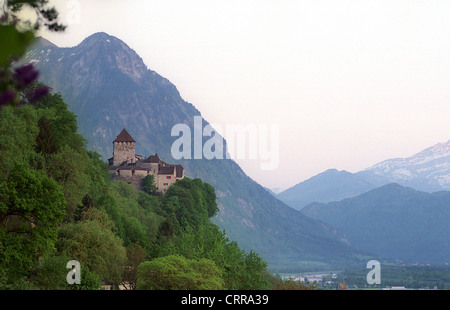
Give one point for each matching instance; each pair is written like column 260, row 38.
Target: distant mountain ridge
column 330, row 185
column 428, row 170
column 392, row 221
column 108, row 87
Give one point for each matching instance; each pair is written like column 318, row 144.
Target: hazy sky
column 349, row 83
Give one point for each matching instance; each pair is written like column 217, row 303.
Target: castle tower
column 123, row 149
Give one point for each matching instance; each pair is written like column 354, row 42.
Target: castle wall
column 133, row 180
column 126, row 173
column 141, row 173
column 154, row 167
column 163, row 181
column 134, row 176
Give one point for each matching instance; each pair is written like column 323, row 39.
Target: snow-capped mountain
column 428, row 170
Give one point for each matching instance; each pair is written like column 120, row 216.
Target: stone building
column 127, row 166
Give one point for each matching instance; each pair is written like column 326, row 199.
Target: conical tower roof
column 124, row 136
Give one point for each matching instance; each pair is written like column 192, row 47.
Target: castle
column 127, row 166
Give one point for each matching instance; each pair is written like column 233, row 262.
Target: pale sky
column 349, row 83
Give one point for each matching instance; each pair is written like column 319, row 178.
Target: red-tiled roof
column 166, row 170
column 152, row 159
column 125, row 167
column 124, row 136
column 142, row 168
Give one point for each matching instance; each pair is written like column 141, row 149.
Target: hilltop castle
column 127, row 166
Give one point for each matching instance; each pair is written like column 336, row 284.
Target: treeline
column 415, row 277
column 58, row 203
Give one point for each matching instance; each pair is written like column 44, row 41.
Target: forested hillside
column 58, row 204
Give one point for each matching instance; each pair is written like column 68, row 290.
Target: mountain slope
column 330, row 185
column 393, row 221
column 428, row 170
column 109, row 88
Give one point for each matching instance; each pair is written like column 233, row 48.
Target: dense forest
column 58, row 203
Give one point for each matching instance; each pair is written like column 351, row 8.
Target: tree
column 62, row 121
column 45, row 141
column 135, row 256
column 87, row 204
column 291, row 285
column 51, row 274
column 148, row 184
column 95, row 247
column 253, row 275
column 175, row 272
column 31, row 208
column 18, row 130
column 45, row 15
column 196, row 201
column 71, row 170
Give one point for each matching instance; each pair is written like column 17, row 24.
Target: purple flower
column 37, row 93
column 26, row 75
column 7, row 96
column 4, row 18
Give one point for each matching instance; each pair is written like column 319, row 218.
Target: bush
column 175, row 272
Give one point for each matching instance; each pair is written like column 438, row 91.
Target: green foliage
column 187, row 231
column 135, row 256
column 6, row 283
column 18, row 130
column 291, row 285
column 414, row 276
column 51, row 272
column 45, row 141
column 95, row 247
column 195, row 202
column 148, row 184
column 44, row 15
column 31, row 207
column 70, row 169
column 89, row 281
column 178, row 273
column 14, row 43
column 62, row 122
column 62, row 198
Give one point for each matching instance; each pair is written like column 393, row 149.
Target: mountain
column 330, row 185
column 428, row 170
column 108, row 86
column 392, row 221
column 271, row 191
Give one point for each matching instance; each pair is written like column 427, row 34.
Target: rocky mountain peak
column 112, row 52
